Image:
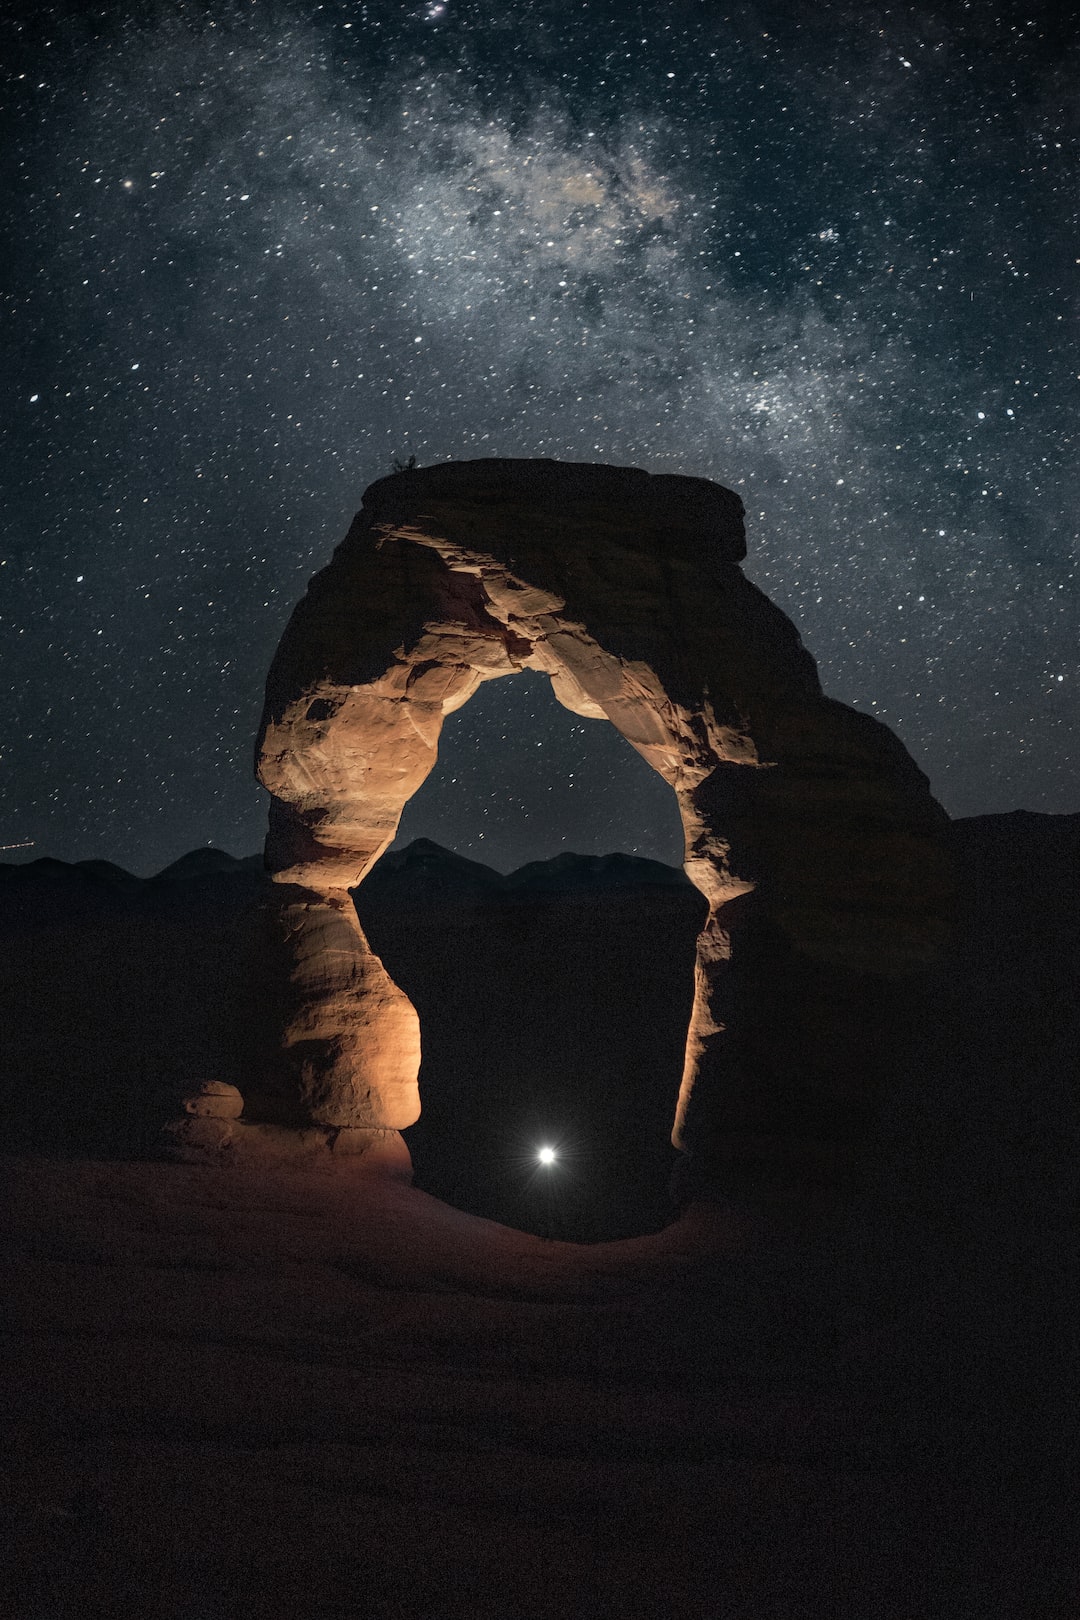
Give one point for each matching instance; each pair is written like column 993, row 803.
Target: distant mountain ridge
column 197, row 863
column 46, row 892
column 558, row 873
column 423, row 860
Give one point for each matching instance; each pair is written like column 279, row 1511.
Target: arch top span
column 622, row 586
column 625, row 589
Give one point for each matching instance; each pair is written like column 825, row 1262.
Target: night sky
column 824, row 254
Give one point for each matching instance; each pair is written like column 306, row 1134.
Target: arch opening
column 519, row 778
column 553, row 995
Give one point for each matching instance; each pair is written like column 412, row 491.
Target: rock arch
column 808, row 827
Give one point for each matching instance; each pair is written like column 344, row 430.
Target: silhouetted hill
column 595, row 873
column 201, row 863
column 425, row 869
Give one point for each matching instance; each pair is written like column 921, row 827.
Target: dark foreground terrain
column 284, row 1392
column 305, row 1394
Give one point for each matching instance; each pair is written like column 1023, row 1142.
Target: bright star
column 546, row 1155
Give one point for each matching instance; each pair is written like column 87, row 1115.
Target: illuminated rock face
column 809, row 829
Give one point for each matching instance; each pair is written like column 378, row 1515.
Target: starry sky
column 824, row 254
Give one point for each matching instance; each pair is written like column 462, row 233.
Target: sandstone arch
column 808, row 827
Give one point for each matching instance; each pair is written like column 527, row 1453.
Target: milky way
column 255, row 252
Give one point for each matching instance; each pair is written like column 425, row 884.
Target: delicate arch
column 808, row 827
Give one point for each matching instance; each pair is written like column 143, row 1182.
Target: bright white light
column 546, row 1155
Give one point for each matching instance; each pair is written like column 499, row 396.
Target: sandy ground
column 321, row 1393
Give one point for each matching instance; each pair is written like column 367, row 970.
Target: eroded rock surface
column 809, row 829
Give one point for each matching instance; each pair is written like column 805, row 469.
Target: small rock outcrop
column 809, row 829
